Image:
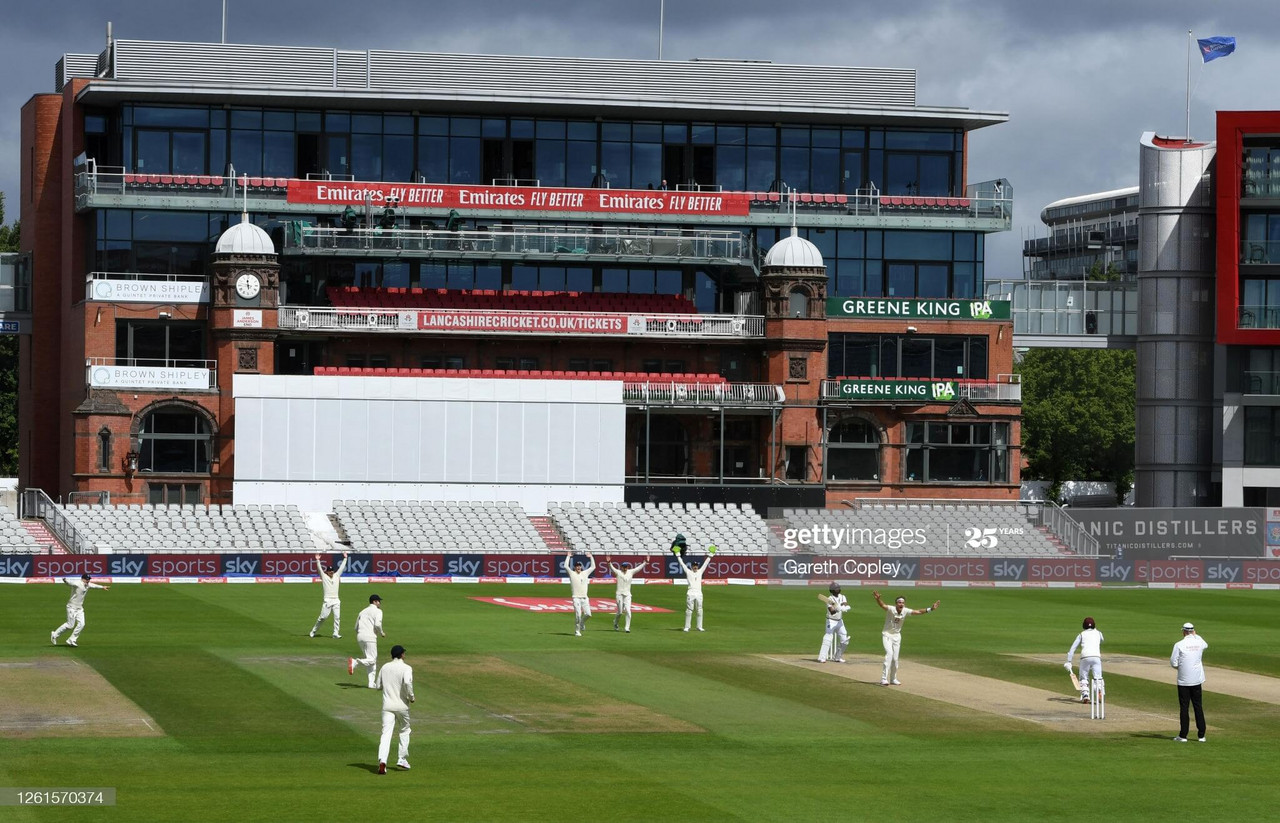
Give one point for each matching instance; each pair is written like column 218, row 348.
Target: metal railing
column 143, row 293
column 1069, row 307
column 147, row 373
column 516, row 321
column 524, row 241
column 35, row 503
column 1258, row 317
column 1041, row 514
column 1261, row 253
column 1005, row 388
column 703, row 394
column 992, row 199
column 1260, row 382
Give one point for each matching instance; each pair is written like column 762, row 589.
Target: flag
column 1211, row 48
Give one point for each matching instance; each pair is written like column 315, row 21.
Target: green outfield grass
column 519, row 720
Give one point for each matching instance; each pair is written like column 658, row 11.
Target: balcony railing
column 137, row 287
column 518, row 241
column 526, row 322
column 142, row 373
column 703, row 394
column 1259, row 317
column 1261, row 382
column 1006, row 388
column 1259, row 253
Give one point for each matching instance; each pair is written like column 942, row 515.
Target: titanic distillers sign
column 1155, row 533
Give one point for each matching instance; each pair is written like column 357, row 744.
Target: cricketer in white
column 368, row 627
column 396, row 682
column 622, row 598
column 1089, row 642
column 836, row 639
column 332, row 604
column 693, row 597
column 75, row 609
column 579, row 578
column 891, row 635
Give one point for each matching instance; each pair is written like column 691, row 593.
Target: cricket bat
column 1075, row 681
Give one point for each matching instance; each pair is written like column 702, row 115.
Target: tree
column 9, row 237
column 1110, row 274
column 1078, row 417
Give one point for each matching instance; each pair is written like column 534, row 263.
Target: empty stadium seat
column 215, row 528
column 649, row 528
column 438, row 527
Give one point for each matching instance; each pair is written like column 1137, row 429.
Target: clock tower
column 245, row 296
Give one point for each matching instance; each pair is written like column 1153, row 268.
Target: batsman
column 836, row 640
column 1089, row 641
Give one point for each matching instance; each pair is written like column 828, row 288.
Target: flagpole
column 1188, row 85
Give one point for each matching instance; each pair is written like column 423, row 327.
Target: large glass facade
column 941, row 356
column 957, row 453
column 443, row 148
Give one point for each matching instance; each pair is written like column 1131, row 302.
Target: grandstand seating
column 385, row 526
column 1016, row 531
column 489, row 299
column 193, row 528
column 649, row 527
column 525, row 374
column 14, row 539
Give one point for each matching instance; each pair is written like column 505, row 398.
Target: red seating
column 522, row 374
column 488, row 299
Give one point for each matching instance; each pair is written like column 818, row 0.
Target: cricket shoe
column 351, row 665
column 884, row 682
column 1202, row 740
column 839, row 659
column 382, row 768
column 313, row 633
column 686, row 629
column 53, row 638
column 897, row 682
column 72, row 643
column 403, row 764
column 577, row 633
column 337, row 637
column 1179, row 740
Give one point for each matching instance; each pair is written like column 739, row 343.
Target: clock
column 248, row 285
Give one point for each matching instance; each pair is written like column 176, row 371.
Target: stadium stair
column 44, row 537
column 549, row 533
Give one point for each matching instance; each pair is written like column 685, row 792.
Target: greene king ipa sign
column 921, row 391
column 873, row 308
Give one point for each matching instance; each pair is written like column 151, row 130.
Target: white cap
column 1187, row 627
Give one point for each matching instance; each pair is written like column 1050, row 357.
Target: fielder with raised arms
column 891, row 635
column 1089, row 642
column 622, row 598
column 836, row 639
column 332, row 604
column 75, row 609
column 693, row 597
column 579, row 579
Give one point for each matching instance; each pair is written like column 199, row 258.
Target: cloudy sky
column 1081, row 80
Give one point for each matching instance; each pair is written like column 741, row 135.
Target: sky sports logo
column 851, row 536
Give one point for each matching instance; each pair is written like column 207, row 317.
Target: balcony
column 697, row 395
column 527, row 323
column 1006, row 388
column 1261, row 382
column 1257, row 253
column 134, row 287
column 154, row 375
column 1259, row 317
column 564, row 244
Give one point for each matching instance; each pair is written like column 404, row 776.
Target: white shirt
column 369, row 623
column 1186, row 658
column 396, row 681
column 578, row 580
column 694, row 575
column 840, row 603
column 330, row 584
column 624, row 577
column 1090, row 643
column 81, row 588
column 893, row 620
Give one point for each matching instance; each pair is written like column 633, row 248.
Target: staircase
column 1054, row 540
column 549, row 533
column 776, row 528
column 44, row 537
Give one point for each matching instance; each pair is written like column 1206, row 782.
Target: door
column 338, row 155
column 673, row 165
column 307, row 154
column 852, row 172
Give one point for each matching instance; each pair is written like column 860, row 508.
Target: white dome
column 794, row 252
column 245, row 238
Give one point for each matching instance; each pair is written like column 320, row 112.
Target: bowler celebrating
column 693, row 597
column 579, row 578
column 891, row 635
column 332, row 605
column 622, row 599
column 75, row 609
column 368, row 627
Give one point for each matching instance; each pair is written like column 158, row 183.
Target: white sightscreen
column 312, row 440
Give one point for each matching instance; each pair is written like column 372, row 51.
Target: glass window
column 702, row 134
column 277, row 154
column 795, row 168
column 464, row 159
column 397, row 158
column 188, row 152
column 582, row 130
column 731, row 135
column 433, row 125
column 761, row 168
column 677, row 133
column 521, row 129
column 152, row 152
column 824, row 174
column 615, row 131
column 849, row 278
column 173, row 440
column 580, row 164
column 731, row 168
column 641, row 281
column 433, row 275
column 246, row 152
column 578, row 279
column 762, row 136
column 170, row 116
column 935, row 175
column 551, row 278
column 397, row 124
column 902, row 280
column 923, row 140
column 551, row 129
column 615, row 164
column 433, row 159
column 524, row 278
column 462, row 276
column 613, row 281
column 853, row 138
column 948, row 357
column 978, row 359
column 464, row 126
column 489, row 277
column 795, row 136
column 395, row 274
column 646, row 132
column 917, row 245
column 338, row 122
column 646, row 165
column 366, row 156
column 704, row 292
column 550, row 169
column 669, row 282
column 366, row 123
column 853, row 451
column 917, row 357
column 932, row 280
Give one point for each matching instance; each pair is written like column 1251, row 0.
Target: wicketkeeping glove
column 711, row 549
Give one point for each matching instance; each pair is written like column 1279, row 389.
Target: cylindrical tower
column 1176, row 403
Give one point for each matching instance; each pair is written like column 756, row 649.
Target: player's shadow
column 1152, row 736
column 370, row 768
column 344, row 685
column 1075, row 701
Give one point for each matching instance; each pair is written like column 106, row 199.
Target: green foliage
column 1110, row 274
column 1078, row 417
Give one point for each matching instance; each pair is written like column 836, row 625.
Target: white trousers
column 388, row 722
column 330, row 607
column 75, row 622
column 581, row 612
column 892, row 645
column 623, row 604
column 834, row 642
column 692, row 601
column 1089, row 665
column 369, row 658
